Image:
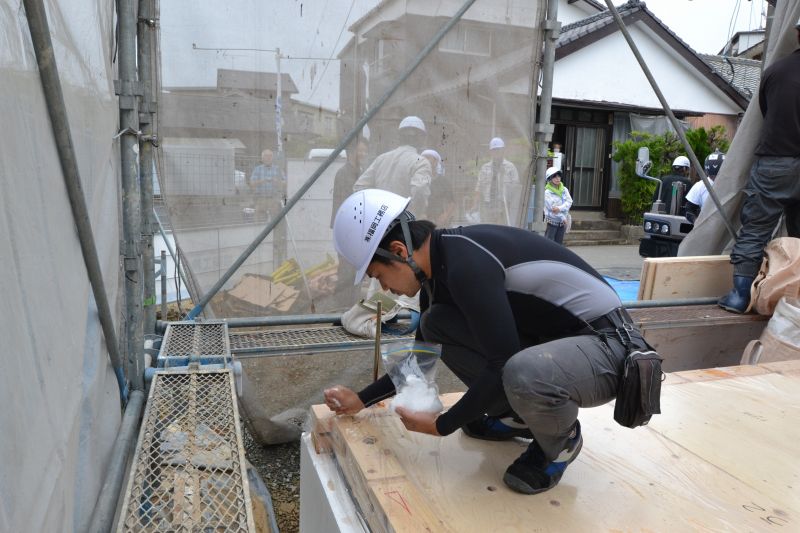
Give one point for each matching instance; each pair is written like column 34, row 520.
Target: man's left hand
column 419, row 422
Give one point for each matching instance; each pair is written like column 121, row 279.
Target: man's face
column 556, row 180
column 396, row 277
column 266, row 157
column 497, row 154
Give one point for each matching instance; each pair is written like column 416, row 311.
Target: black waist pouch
column 639, row 392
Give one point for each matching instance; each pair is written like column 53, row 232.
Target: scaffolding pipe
column 128, row 89
column 54, row 98
column 172, row 253
column 536, row 52
column 331, row 158
column 335, row 319
column 106, row 506
column 544, row 129
column 698, row 167
column 163, row 287
column 147, row 143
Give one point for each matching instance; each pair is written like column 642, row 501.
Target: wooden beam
column 671, row 278
column 720, row 457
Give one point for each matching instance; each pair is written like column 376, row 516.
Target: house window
column 467, row 39
column 386, row 54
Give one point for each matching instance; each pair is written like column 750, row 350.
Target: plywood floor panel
column 722, row 457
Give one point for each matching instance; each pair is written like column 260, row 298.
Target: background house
column 745, row 44
column 241, row 106
column 477, row 84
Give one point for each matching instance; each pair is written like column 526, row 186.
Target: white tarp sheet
column 60, row 403
column 709, row 235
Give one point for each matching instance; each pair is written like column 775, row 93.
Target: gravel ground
column 279, row 467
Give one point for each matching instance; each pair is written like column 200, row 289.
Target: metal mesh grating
column 203, row 339
column 288, row 340
column 188, row 472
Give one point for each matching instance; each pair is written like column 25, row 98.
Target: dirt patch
column 279, row 467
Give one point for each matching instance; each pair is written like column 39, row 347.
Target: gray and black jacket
column 510, row 285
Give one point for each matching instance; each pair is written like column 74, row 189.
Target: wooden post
column 377, row 343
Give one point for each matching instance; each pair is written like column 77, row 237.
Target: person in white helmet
column 533, row 331
column 557, row 202
column 697, row 195
column 442, row 202
column 497, row 186
column 680, row 174
column 403, row 170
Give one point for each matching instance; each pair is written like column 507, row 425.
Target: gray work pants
column 772, row 189
column 547, row 383
column 544, row 384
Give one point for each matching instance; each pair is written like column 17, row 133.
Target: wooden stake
column 377, row 344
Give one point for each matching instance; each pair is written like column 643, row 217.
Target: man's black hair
column 419, row 230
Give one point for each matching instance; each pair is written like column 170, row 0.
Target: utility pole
column 544, row 130
column 767, row 31
column 147, row 144
column 278, row 109
column 279, row 241
column 128, row 88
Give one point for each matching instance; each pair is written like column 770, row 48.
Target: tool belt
column 639, row 389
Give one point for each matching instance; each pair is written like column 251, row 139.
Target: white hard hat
column 360, row 224
column 496, row 144
column 550, row 172
column 681, row 161
column 439, row 169
column 432, row 153
column 412, row 122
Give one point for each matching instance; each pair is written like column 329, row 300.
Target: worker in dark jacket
column 773, row 188
column 531, row 329
column 680, row 174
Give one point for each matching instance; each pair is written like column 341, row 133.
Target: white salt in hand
column 418, row 396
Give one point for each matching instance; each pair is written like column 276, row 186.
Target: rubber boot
column 738, row 299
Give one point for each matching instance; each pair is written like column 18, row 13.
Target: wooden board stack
column 722, row 456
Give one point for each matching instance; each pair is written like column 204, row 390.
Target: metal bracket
column 147, row 107
column 127, row 102
column 128, row 88
column 544, row 132
column 553, row 27
column 131, row 264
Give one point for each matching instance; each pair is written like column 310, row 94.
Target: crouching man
column 531, row 329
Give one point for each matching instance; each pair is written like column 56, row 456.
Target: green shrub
column 637, row 193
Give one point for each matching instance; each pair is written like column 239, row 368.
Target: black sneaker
column 532, row 474
column 496, row 428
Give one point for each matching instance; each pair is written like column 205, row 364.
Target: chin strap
column 404, row 218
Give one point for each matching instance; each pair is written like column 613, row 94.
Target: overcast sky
column 318, row 28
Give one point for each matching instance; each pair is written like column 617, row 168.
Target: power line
column 316, row 32
column 734, row 15
column 333, row 51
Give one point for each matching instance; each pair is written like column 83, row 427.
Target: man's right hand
column 342, row 400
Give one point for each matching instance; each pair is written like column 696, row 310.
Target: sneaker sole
column 520, row 486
